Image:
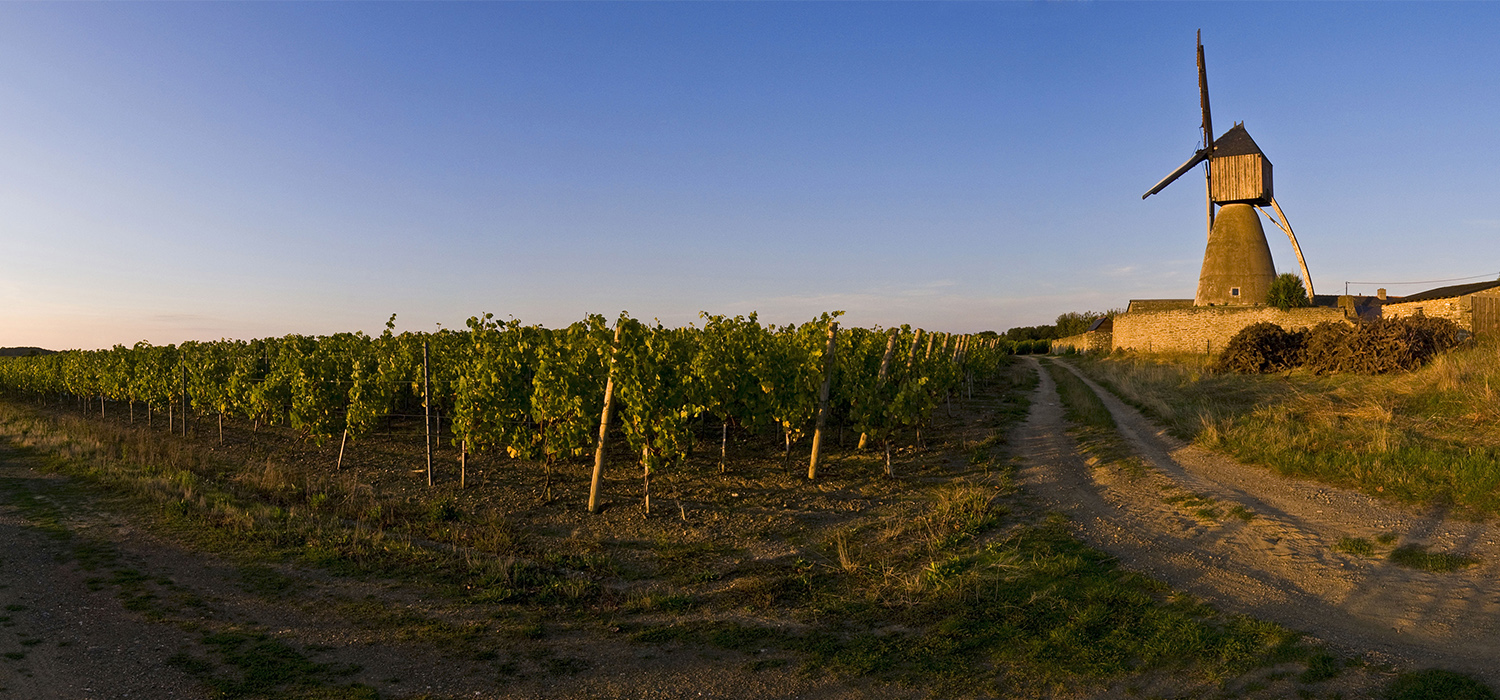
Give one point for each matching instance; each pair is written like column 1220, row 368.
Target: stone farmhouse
column 1474, row 307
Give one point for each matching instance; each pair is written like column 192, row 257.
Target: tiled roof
column 1457, row 290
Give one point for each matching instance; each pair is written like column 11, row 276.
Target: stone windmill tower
column 1237, row 268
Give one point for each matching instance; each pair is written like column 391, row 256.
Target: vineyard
column 404, row 516
column 536, row 394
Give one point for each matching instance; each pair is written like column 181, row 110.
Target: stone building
column 1098, row 338
column 1457, row 303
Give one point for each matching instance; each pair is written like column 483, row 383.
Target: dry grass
column 1423, row 436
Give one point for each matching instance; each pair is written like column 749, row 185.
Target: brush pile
column 1371, row 347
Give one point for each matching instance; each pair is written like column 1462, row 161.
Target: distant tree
column 1020, row 333
column 1073, row 322
column 1287, row 292
column 25, row 352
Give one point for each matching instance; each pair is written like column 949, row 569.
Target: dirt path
column 1176, row 521
column 62, row 636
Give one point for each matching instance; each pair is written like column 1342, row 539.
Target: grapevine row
column 536, row 393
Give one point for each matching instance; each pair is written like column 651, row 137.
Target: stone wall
column 1158, row 304
column 1207, row 328
column 1459, row 310
column 1092, row 341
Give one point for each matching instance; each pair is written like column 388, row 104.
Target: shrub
column 1259, row 348
column 1287, row 292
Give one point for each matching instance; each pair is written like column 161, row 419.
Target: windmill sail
column 1208, row 134
column 1197, row 158
column 1208, row 119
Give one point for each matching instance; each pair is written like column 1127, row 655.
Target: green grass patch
column 267, row 582
column 258, row 665
column 1081, row 405
column 1205, row 507
column 1321, row 666
column 658, row 601
column 1093, row 426
column 1437, row 684
column 1035, row 606
column 1417, row 557
column 1358, row 546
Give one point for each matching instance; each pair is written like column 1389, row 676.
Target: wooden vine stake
column 723, row 444
column 885, row 366
column 427, row 407
column 342, row 441
column 184, row 400
column 609, row 405
column 646, row 474
column 817, row 443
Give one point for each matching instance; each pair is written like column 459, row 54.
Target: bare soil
column 1282, row 559
column 69, row 632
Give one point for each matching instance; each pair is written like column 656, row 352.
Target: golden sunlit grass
column 1427, row 436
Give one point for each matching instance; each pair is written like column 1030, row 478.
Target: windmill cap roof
column 1236, row 142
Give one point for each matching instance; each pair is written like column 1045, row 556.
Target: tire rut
column 1280, row 561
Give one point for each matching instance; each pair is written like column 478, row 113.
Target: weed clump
column 1417, row 557
column 1357, row 546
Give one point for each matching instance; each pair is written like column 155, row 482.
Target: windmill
column 1237, row 268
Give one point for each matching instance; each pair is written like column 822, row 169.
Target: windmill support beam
column 1208, row 185
column 1286, row 225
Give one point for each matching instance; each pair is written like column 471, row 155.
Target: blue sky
column 174, row 171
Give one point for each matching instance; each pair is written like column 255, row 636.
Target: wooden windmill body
column 1237, row 267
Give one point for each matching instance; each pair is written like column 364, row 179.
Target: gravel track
column 64, row 638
